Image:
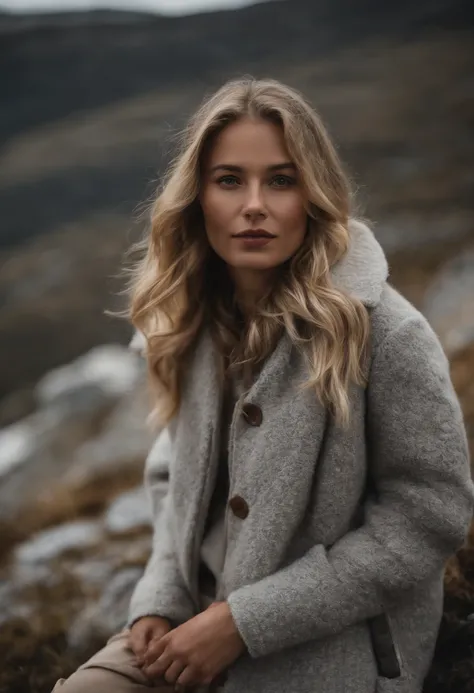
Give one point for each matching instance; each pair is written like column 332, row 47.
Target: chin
column 255, row 263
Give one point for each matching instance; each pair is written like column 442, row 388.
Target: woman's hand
column 197, row 651
column 145, row 630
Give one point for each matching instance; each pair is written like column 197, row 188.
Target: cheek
column 216, row 221
column 294, row 217
column 215, row 210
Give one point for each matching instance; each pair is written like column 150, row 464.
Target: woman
column 319, row 468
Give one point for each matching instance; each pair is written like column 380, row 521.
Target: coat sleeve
column 161, row 590
column 418, row 517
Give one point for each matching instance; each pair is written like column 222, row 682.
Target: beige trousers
column 114, row 669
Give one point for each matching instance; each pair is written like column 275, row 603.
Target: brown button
column 252, row 414
column 239, row 507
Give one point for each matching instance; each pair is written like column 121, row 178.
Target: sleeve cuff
column 169, row 603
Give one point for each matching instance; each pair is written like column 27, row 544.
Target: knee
column 89, row 681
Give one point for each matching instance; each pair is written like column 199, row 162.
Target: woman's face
column 251, row 197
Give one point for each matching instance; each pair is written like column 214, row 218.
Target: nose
column 254, row 204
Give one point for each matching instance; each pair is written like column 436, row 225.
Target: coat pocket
column 386, row 653
column 392, row 677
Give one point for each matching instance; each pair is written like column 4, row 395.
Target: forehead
column 248, row 143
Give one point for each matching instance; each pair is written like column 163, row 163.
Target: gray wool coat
column 334, row 574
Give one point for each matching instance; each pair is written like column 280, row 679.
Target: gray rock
column 25, row 575
column 34, row 454
column 115, row 599
column 109, row 370
column 92, row 573
column 109, row 614
column 128, row 512
column 51, row 543
column 449, row 302
column 44, row 448
column 26, row 440
column 86, row 399
column 122, row 444
column 59, row 444
column 16, row 446
column 20, row 578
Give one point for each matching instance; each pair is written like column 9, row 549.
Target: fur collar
column 363, row 270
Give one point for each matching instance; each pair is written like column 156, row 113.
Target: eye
column 228, row 181
column 281, row 181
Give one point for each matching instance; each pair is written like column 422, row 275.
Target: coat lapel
column 196, row 448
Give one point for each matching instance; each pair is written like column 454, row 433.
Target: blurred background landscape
column 91, row 102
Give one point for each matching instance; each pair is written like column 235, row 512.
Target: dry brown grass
column 33, row 650
column 452, row 670
column 462, row 372
column 459, row 577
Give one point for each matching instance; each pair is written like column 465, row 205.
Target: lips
column 254, row 233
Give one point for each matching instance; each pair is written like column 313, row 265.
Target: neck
column 250, row 286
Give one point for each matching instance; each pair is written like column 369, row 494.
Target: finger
column 142, row 636
column 159, row 632
column 188, row 677
column 155, row 649
column 138, row 642
column 174, row 671
column 158, row 666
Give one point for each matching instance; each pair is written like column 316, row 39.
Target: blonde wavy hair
column 173, row 288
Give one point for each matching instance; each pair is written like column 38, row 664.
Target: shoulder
column 400, row 331
column 394, row 313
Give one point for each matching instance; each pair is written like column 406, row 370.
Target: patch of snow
column 51, row 543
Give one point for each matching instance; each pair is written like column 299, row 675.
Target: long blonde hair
column 173, row 288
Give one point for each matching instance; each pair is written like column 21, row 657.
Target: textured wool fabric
column 213, row 543
column 161, row 590
column 317, row 557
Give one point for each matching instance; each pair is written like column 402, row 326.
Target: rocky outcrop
column 75, row 520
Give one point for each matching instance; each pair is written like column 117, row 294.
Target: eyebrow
column 239, row 169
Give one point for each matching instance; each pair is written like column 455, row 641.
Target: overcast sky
column 165, row 6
